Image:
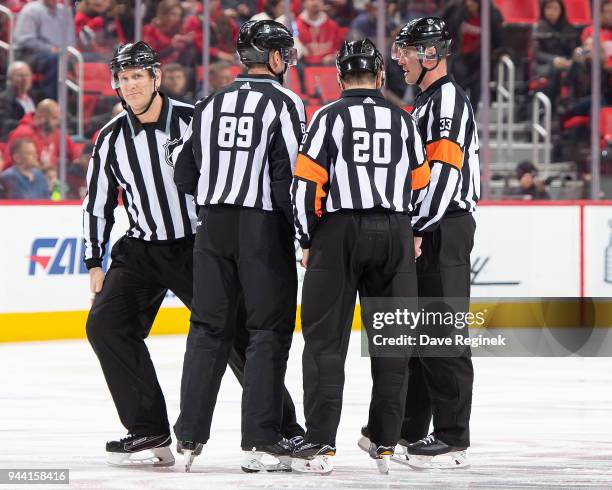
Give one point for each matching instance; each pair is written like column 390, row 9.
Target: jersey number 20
column 235, row 131
column 372, row 148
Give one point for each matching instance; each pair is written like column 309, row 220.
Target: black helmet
column 258, row 37
column 359, row 56
column 424, row 33
column 133, row 55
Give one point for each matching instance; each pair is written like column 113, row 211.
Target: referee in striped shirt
column 444, row 223
column 237, row 158
column 359, row 172
column 133, row 153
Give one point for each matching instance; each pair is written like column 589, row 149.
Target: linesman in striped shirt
column 133, row 152
column 360, row 170
column 443, row 221
column 237, row 158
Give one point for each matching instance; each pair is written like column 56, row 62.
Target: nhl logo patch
column 169, row 147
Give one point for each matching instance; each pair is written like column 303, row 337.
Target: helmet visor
column 120, row 79
column 289, row 56
column 402, row 50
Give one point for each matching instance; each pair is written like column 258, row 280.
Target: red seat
column 96, row 80
column 322, row 81
column 310, row 110
column 576, row 122
column 293, row 83
column 578, row 11
column 605, row 126
column 89, row 106
column 519, row 11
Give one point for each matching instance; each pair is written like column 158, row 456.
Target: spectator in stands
column 365, row 24
column 241, row 10
column 463, row 22
column 319, row 34
column 530, row 188
column 42, row 127
column 578, row 81
column 53, row 183
column 554, row 42
column 219, row 76
column 76, row 174
column 605, row 32
column 123, row 12
column 3, row 152
column 223, row 32
column 421, row 8
column 275, row 10
column 17, row 99
column 174, row 83
column 95, row 29
column 164, row 34
column 343, row 11
column 24, row 180
column 39, row 31
column 15, row 5
column 97, row 122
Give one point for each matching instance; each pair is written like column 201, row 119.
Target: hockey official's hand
column 304, row 261
column 417, row 246
column 96, row 280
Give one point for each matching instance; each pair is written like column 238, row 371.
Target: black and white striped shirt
column 360, row 152
column 137, row 158
column 242, row 144
column 446, row 121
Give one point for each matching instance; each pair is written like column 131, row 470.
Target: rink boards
column 526, row 252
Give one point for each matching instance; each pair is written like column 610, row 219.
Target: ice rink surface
column 536, row 422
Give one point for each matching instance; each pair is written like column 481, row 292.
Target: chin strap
column 425, row 70
column 279, row 76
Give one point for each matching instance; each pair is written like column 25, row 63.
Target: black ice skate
column 189, row 450
column 311, row 457
column 364, row 441
column 381, row 455
column 140, row 451
column 423, row 452
column 253, row 459
column 400, row 452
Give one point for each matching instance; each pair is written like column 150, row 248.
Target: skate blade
column 252, row 462
column 449, row 461
column 364, row 444
column 400, row 456
column 382, row 464
column 188, row 458
column 157, row 457
column 321, row 465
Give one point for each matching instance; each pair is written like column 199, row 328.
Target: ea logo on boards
column 58, row 256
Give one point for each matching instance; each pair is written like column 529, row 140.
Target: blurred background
column 537, row 72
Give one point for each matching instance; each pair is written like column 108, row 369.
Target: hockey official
column 237, row 158
column 441, row 386
column 133, row 152
column 352, row 194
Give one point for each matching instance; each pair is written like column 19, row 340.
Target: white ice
column 539, row 422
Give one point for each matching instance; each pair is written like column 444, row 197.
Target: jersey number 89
column 229, row 126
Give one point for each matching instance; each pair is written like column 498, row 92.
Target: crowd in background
column 559, row 64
